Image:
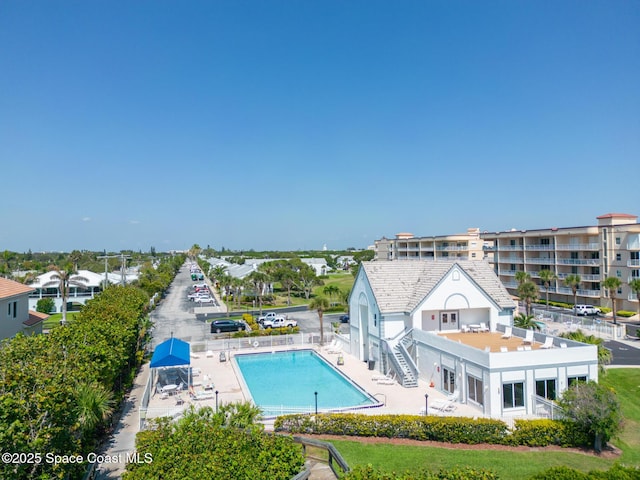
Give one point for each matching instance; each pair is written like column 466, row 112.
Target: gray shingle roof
column 399, row 286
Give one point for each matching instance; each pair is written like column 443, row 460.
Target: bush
column 45, row 305
column 466, row 473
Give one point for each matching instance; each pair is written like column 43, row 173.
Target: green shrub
column 625, row 313
column 532, row 433
column 369, row 473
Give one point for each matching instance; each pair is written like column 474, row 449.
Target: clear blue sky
column 293, row 124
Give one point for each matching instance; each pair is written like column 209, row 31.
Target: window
column 618, row 257
column 513, row 395
column 474, row 389
column 618, row 241
column 448, row 380
column 546, row 389
column 572, row 380
column 473, row 255
column 618, row 274
column 15, row 309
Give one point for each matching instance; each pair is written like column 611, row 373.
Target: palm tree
column 94, row 405
column 319, row 304
column 573, row 282
column 331, row 290
column 63, row 280
column 634, row 285
column 525, row 321
column 522, row 277
column 528, row 293
column 258, row 281
column 547, row 276
column 604, row 354
column 612, row 284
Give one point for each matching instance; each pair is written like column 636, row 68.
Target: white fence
column 558, row 322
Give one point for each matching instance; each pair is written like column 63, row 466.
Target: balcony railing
column 581, row 292
column 508, row 248
column 541, row 261
column 452, row 248
column 577, row 247
column 578, row 261
column 539, row 247
column 633, row 263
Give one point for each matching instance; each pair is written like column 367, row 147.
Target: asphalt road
column 624, row 354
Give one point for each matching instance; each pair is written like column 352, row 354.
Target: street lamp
column 316, row 395
column 426, row 404
column 216, row 401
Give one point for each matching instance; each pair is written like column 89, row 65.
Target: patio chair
column 483, row 327
column 465, row 329
column 507, row 332
column 335, row 350
column 504, row 349
column 528, row 339
column 563, row 345
column 548, row 343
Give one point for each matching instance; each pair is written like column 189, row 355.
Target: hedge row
column 617, row 472
column 538, row 433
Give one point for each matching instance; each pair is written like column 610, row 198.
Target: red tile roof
column 616, row 215
column 9, row 288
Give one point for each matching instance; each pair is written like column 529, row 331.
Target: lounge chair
column 563, row 345
column 528, row 339
column 507, row 332
column 504, row 349
column 446, row 405
column 465, row 329
column 337, row 349
column 483, row 327
column 389, row 380
column 548, row 343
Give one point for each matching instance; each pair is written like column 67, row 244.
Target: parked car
column 344, row 318
column 586, row 310
column 205, row 300
column 227, row 325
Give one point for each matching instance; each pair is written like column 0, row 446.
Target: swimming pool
column 286, row 382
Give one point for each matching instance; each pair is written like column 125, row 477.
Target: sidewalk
column 123, row 439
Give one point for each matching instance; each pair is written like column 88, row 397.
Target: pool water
column 286, row 382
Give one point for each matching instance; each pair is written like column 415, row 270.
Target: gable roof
column 399, row 286
column 171, row 353
column 9, row 288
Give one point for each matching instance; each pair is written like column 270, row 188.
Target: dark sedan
column 228, row 325
column 344, row 319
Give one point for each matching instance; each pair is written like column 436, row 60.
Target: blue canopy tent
column 172, row 353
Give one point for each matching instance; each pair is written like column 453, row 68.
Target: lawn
column 54, row 320
column 509, row 464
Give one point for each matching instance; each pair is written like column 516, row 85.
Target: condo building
column 609, row 249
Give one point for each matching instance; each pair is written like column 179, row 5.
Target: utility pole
column 123, row 260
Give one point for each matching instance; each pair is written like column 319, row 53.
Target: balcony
column 581, row 292
column 541, row 261
column 578, row 261
column 538, row 248
column 510, row 273
column 509, row 248
column 577, row 247
column 453, row 248
column 633, row 263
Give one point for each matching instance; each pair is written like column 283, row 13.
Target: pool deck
column 395, row 398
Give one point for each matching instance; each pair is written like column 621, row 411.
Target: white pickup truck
column 278, row 321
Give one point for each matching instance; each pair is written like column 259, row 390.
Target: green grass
column 507, row 464
column 510, row 464
column 626, row 383
column 54, row 320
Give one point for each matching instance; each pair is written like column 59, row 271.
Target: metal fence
column 558, row 322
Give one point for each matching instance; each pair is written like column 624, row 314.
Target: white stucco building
column 445, row 322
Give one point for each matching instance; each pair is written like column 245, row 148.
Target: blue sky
column 294, row 124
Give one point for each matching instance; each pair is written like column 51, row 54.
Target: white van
column 586, row 310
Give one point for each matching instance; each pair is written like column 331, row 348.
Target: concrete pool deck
column 395, row 398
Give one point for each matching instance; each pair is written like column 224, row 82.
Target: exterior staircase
column 400, row 352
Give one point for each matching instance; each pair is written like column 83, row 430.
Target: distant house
column 15, row 316
column 89, row 284
column 444, row 322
